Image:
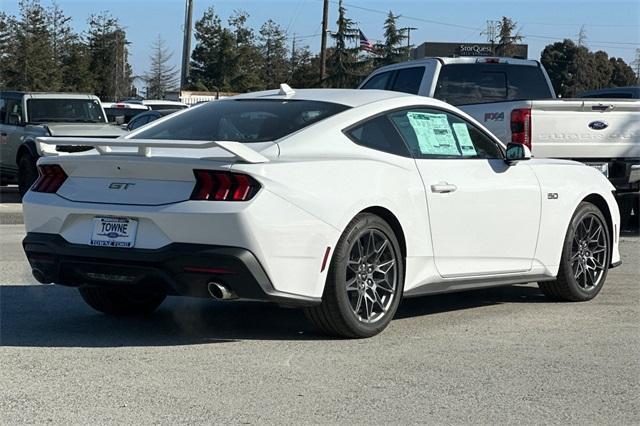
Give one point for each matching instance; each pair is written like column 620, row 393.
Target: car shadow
column 53, row 316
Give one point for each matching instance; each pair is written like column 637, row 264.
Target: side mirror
column 14, row 119
column 517, row 152
column 119, row 120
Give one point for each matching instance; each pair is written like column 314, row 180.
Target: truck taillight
column 50, row 179
column 521, row 126
column 214, row 185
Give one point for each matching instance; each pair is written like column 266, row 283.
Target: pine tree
column 107, row 42
column 7, row 28
column 76, row 64
column 29, row 59
column 393, row 49
column 246, row 77
column 506, row 37
column 213, row 60
column 274, row 53
column 303, row 68
column 61, row 38
column 343, row 63
column 162, row 76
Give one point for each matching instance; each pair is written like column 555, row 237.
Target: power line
column 447, row 24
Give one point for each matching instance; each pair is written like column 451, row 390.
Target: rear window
column 460, row 84
column 408, row 80
column 126, row 113
column 243, row 120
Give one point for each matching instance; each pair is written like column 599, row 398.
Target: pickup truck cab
column 27, row 115
column 515, row 100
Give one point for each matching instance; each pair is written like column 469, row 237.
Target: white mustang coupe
column 340, row 202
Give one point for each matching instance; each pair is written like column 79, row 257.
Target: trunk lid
column 143, row 172
column 582, row 129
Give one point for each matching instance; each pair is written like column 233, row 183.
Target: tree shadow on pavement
column 53, row 316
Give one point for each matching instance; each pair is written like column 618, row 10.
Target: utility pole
column 323, row 42
column 186, row 45
column 636, row 63
column 490, row 32
column 408, row 30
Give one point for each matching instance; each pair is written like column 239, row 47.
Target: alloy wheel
column 589, row 251
column 371, row 276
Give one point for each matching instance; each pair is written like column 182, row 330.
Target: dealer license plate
column 114, row 232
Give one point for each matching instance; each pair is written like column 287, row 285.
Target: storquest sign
column 463, row 49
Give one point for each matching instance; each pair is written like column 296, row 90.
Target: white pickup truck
column 515, row 100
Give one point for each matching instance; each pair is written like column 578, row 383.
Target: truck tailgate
column 579, row 128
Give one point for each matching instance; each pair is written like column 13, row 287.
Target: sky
column 610, row 25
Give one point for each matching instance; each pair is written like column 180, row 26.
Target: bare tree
column 162, row 76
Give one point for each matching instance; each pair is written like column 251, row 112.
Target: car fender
column 564, row 186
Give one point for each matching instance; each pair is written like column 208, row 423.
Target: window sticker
column 464, row 139
column 434, row 133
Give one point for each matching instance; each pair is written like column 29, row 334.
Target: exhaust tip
column 220, row 292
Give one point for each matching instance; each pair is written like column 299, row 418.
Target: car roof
column 161, row 102
column 124, row 105
column 348, row 97
column 50, row 95
column 458, row 60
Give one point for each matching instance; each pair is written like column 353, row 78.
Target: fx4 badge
column 120, row 185
column 494, row 116
column 552, row 196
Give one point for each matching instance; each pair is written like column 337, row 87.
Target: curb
column 11, row 214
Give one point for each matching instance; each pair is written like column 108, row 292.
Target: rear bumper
column 177, row 269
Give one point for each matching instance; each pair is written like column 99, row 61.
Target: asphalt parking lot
column 504, row 355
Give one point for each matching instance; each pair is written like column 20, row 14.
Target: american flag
column 365, row 44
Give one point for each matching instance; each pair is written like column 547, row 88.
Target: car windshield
column 65, row 111
column 242, row 120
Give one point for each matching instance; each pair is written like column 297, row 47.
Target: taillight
column 521, row 126
column 50, row 179
column 223, row 186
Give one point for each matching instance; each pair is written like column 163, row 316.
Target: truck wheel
column 585, row 257
column 364, row 282
column 121, row 302
column 27, row 173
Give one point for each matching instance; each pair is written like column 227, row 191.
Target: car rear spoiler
column 104, row 146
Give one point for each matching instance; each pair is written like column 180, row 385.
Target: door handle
column 443, row 187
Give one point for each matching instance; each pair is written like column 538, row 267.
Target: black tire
column 336, row 315
column 121, row 302
column 566, row 286
column 27, row 173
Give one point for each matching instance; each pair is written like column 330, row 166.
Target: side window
column 13, row 115
column 139, row 122
column 438, row 134
column 379, row 81
column 379, row 134
column 3, row 110
column 408, row 80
